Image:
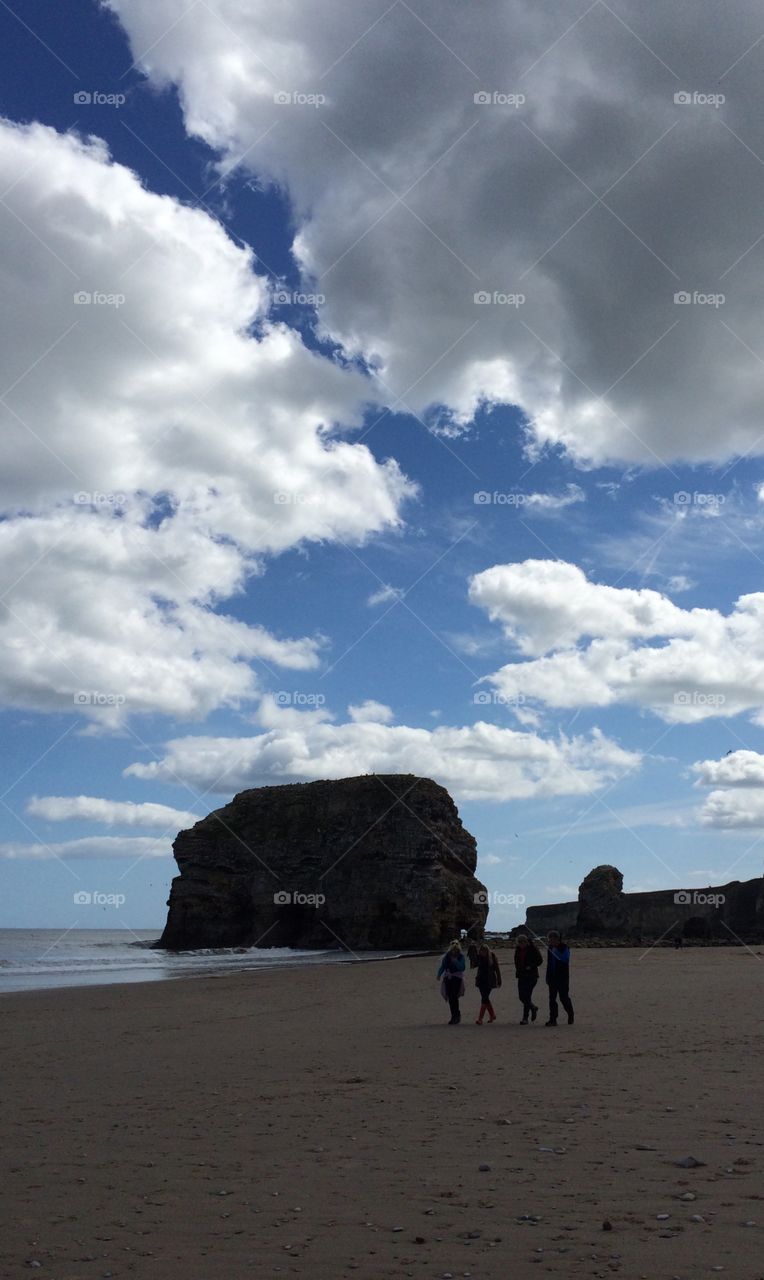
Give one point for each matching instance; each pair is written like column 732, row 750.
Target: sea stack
column 375, row 862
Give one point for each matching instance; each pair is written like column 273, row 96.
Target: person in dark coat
column 558, row 976
column 528, row 961
column 472, row 954
column 451, row 971
column 487, row 978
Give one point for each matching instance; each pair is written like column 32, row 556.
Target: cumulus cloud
column 371, row 712
column 739, row 803
column 548, row 604
column 594, row 642
column 111, row 813
column 475, row 762
column 162, row 436
column 610, row 185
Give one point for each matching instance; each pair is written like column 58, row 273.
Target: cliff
column 733, row 911
column 367, row 863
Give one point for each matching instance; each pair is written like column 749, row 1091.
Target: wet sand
column 326, row 1123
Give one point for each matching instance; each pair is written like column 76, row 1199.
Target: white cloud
column 402, row 188
column 123, row 813
column 709, row 664
column 135, row 847
column 679, row 582
column 740, row 801
column 737, row 769
column 546, row 604
column 474, row 762
column 371, row 712
column 549, row 503
column 385, row 595
column 156, row 450
column 489, row 860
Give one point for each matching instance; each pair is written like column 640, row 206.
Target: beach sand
column 326, row 1123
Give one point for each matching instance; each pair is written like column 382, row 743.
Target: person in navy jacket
column 451, row 970
column 558, row 976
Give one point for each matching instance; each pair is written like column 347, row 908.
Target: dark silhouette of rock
column 601, row 906
column 727, row 912
column 367, row 863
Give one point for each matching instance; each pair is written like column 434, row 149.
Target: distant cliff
column 728, row 911
column 367, row 863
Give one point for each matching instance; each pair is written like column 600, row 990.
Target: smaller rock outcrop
column 601, row 908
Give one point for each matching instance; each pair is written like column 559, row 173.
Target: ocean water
column 37, row 958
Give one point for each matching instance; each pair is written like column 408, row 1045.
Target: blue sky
column 537, row 518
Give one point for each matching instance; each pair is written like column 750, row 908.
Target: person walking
column 528, row 961
column 472, row 954
column 451, row 972
column 488, row 977
column 558, row 976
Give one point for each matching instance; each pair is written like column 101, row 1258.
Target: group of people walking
column 528, row 961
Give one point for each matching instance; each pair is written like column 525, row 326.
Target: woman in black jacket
column 527, row 962
column 487, row 977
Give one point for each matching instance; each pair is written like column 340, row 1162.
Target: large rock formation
column 729, row 912
column 367, row 863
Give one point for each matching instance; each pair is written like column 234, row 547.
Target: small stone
column 749, row 1224
column 644, row 1146
column 688, row 1195
column 607, row 1225
column 397, row 1228
column 663, row 1217
column 484, row 1168
column 689, row 1162
column 697, row 1217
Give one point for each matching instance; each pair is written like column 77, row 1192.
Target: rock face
column 730, row 912
column 367, row 863
column 601, row 906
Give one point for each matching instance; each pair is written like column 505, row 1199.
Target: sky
column 382, row 391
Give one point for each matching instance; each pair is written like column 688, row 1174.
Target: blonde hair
column 455, row 945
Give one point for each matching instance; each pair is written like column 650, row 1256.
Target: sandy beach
column 327, row 1123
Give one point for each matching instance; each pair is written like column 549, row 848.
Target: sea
column 34, row 959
